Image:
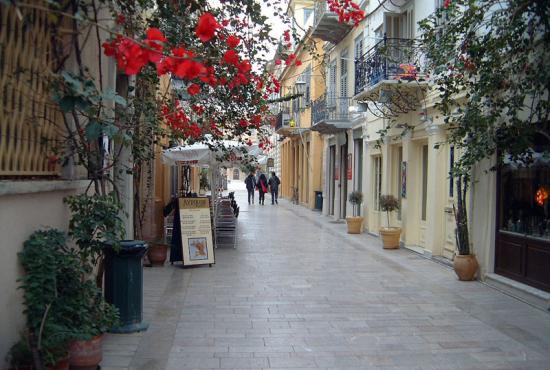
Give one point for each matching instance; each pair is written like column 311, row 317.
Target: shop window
column 525, row 197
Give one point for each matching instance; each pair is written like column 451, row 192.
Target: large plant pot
column 86, row 354
column 354, row 224
column 390, row 237
column 465, row 266
column 157, row 253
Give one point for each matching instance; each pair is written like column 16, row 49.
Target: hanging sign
column 270, row 162
column 196, row 231
column 350, row 167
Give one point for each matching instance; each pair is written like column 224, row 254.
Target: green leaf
column 93, row 130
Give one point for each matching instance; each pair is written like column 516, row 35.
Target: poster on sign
column 196, row 231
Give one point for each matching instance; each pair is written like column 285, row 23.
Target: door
column 343, row 180
column 331, row 179
column 423, row 194
column 522, row 248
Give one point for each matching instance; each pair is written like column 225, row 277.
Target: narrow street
column 300, row 293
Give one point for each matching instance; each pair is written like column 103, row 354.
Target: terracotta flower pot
column 86, row 354
column 465, row 266
column 61, row 365
column 390, row 237
column 157, row 253
column 354, row 224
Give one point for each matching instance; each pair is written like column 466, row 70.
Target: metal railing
column 389, row 59
column 282, row 117
column 331, row 108
column 320, row 9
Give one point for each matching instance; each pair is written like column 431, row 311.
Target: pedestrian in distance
column 274, row 183
column 250, row 183
column 262, row 188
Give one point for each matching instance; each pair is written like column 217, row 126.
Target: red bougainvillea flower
column 249, row 142
column 244, row 66
column 243, row 123
column 206, row 27
column 298, row 63
column 233, row 41
column 120, row 19
column 278, row 62
column 447, row 3
column 225, row 22
column 155, row 34
column 231, row 57
column 194, row 89
column 286, row 35
column 290, row 59
column 198, row 109
column 189, row 69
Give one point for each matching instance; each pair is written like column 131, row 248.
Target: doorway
column 343, row 179
column 331, row 179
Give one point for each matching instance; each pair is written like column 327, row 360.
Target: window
column 307, row 13
column 307, row 78
column 424, row 180
column 331, row 89
column 377, row 165
column 344, row 73
column 358, row 46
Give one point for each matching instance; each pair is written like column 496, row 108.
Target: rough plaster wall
column 20, row 215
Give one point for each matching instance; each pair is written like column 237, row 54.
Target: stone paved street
column 300, row 293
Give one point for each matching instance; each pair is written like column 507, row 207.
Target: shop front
column 522, row 248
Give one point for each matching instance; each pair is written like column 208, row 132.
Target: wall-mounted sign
column 196, row 231
column 292, row 122
column 270, row 162
column 350, row 166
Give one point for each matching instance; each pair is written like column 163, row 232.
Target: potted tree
column 355, row 223
column 465, row 263
column 390, row 235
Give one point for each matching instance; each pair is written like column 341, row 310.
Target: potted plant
column 355, row 223
column 390, row 235
column 52, row 273
column 157, row 252
column 465, row 263
column 94, row 220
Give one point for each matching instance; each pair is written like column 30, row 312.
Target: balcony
column 391, row 72
column 326, row 25
column 284, row 125
column 330, row 114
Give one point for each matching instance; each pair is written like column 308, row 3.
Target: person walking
column 250, row 183
column 262, row 188
column 274, row 183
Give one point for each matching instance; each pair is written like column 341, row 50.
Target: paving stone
column 300, row 293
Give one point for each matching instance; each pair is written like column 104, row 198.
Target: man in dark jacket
column 274, row 183
column 250, row 183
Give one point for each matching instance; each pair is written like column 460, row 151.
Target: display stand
column 196, row 231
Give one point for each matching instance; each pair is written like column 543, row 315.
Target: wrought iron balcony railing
column 331, row 108
column 283, row 118
column 389, row 59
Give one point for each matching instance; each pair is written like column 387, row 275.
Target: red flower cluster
column 179, row 121
column 206, row 27
column 347, row 11
column 447, row 3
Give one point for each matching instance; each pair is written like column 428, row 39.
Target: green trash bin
column 124, row 283
column 319, row 200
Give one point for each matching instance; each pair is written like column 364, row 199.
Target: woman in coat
column 262, row 188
